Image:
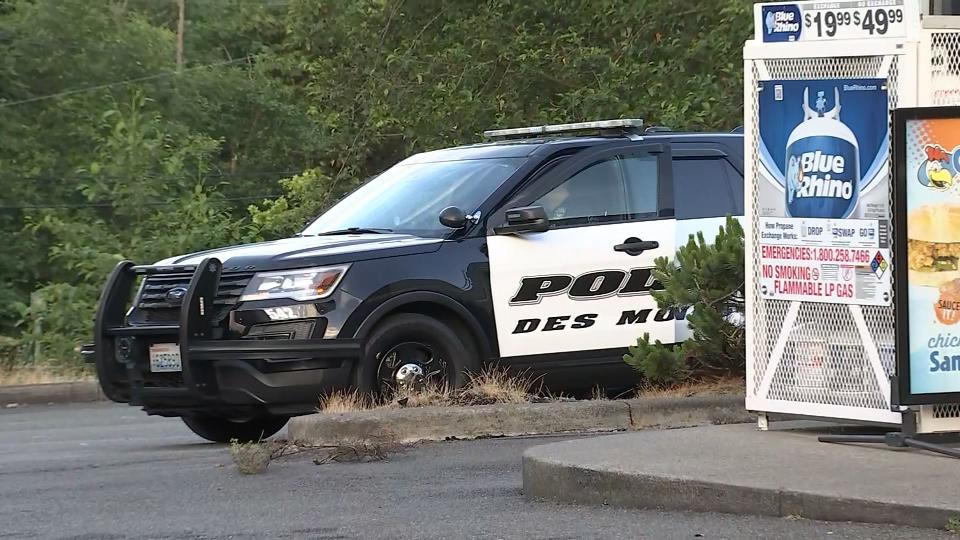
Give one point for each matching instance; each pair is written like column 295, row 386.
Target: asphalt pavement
column 108, row 471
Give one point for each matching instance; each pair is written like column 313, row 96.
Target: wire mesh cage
column 811, row 358
column 835, row 360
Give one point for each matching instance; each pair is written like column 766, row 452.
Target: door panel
column 568, row 290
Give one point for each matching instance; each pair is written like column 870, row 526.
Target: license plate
column 165, row 357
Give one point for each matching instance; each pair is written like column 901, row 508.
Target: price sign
column 821, row 21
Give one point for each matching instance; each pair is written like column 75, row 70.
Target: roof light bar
column 623, row 124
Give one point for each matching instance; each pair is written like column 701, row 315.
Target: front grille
column 153, row 306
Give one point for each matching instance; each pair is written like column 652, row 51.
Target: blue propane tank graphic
column 823, row 163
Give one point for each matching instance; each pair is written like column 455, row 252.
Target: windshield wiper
column 355, row 230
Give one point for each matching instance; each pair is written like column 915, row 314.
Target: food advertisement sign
column 823, row 194
column 927, row 156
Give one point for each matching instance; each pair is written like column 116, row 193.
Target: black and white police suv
column 534, row 251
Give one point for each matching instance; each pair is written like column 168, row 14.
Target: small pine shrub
column 659, row 364
column 706, row 279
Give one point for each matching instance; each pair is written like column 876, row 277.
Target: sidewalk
column 737, row 469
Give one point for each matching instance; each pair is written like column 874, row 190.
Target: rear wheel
column 219, row 429
column 409, row 349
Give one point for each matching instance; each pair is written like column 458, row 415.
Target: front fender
column 397, row 302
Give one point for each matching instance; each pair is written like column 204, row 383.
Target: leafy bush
column 56, row 316
column 707, row 278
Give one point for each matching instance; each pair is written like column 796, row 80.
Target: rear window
column 706, row 187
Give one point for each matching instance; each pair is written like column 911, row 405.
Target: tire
column 451, row 342
column 223, row 430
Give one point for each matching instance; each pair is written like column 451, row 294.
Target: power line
column 118, row 83
column 212, row 176
column 109, row 204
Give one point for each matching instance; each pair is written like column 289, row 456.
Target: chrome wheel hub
column 409, row 365
column 409, row 376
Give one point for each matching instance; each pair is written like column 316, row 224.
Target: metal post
column 37, row 307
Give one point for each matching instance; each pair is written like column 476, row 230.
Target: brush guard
column 121, row 377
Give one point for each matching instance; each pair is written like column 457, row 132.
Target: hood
column 303, row 251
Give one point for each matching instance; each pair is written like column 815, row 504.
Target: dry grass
column 713, row 387
column 495, row 385
column 428, row 396
column 42, row 375
column 343, row 401
column 490, row 386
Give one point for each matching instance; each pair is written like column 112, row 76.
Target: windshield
column 408, row 198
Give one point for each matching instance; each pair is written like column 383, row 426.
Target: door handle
column 636, row 246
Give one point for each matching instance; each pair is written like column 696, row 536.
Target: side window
column 702, row 187
column 736, row 187
column 595, row 194
column 641, row 174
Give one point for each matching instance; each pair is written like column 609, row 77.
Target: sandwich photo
column 933, row 244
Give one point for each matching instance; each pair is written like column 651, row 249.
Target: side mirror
column 453, row 217
column 524, row 220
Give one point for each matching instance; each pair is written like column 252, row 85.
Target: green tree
column 384, row 79
column 283, row 107
column 108, row 152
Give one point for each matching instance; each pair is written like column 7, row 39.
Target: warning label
column 805, row 267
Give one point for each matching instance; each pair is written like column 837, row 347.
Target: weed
column 953, row 525
column 251, row 457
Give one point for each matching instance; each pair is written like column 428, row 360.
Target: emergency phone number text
column 825, row 254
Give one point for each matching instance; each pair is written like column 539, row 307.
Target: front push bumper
column 219, row 376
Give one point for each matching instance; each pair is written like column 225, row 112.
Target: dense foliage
column 707, row 279
column 108, row 151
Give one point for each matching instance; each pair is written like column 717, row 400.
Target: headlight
column 304, row 284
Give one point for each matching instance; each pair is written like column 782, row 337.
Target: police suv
column 534, row 251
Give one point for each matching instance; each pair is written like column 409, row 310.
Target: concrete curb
column 69, row 392
column 547, row 478
column 439, row 423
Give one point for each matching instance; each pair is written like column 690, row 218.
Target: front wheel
column 222, row 430
column 410, row 349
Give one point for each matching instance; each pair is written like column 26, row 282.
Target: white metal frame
column 908, row 88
